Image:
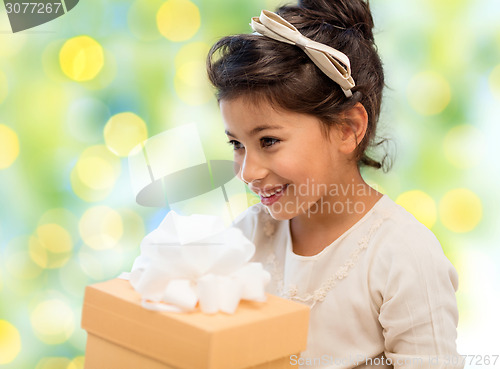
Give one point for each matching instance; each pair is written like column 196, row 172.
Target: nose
column 252, row 168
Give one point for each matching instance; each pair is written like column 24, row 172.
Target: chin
column 280, row 214
column 288, row 208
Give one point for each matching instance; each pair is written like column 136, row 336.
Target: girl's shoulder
column 406, row 247
column 409, row 273
column 399, row 226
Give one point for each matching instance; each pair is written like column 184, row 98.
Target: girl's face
column 284, row 157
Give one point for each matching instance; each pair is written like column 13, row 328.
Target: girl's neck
column 332, row 215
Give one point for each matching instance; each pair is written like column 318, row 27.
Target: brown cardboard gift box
column 124, row 335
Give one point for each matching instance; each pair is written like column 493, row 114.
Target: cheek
column 237, row 162
column 312, row 173
column 306, row 167
column 294, row 173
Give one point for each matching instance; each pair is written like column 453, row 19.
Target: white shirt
column 382, row 293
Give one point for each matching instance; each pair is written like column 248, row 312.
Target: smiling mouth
column 276, row 190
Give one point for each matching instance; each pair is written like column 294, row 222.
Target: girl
column 300, row 99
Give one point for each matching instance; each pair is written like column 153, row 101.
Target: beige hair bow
column 328, row 59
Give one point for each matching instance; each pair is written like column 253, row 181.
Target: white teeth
column 271, row 194
column 274, row 193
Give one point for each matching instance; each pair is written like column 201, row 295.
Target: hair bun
column 343, row 13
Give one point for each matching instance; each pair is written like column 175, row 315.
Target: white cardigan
column 382, row 294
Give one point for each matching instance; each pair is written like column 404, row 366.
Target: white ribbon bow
column 325, row 57
column 195, row 259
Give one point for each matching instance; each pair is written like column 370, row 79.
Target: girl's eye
column 268, row 141
column 236, row 145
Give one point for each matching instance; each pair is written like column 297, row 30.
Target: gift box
column 124, row 335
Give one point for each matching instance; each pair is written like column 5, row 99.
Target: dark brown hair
column 261, row 68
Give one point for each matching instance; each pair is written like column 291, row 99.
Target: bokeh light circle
column 18, row 261
column 193, row 51
column 460, row 210
column 63, row 217
column 95, row 173
column 421, row 205
column 178, row 20
column 53, row 321
column 101, row 227
column 10, row 342
column 55, row 238
column 3, row 86
column 123, row 132
column 464, row 146
column 52, row 246
column 429, row 93
column 494, row 80
column 190, row 82
column 77, row 363
column 9, row 146
column 81, row 58
column 106, row 75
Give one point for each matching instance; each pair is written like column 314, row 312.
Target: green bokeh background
column 431, row 49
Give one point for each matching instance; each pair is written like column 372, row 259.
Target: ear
column 353, row 129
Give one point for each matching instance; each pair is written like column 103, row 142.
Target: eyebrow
column 257, row 129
